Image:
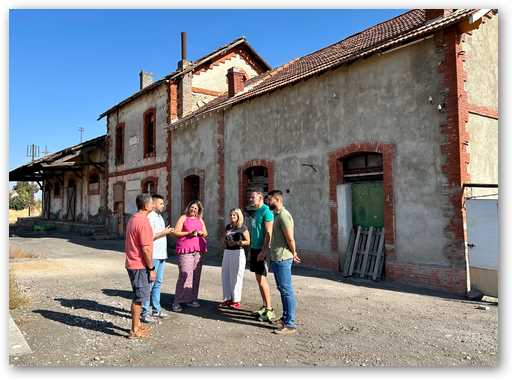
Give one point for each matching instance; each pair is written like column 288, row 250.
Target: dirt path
column 79, row 316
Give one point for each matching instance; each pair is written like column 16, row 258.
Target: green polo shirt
column 279, row 250
column 262, row 215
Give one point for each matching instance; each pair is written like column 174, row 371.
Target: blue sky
column 68, row 66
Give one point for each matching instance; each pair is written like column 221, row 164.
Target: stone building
column 73, row 182
column 139, row 149
column 383, row 128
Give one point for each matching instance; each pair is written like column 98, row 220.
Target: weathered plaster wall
column 481, row 63
column 382, row 99
column 215, row 77
column 132, row 116
column 483, row 149
column 481, row 66
column 133, row 187
column 193, row 147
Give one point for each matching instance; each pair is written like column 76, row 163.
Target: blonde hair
column 199, row 208
column 240, row 216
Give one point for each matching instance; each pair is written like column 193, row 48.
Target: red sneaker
column 235, row 305
column 226, row 303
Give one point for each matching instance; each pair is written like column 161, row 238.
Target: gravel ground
column 78, row 315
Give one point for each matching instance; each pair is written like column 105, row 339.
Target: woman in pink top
column 190, row 248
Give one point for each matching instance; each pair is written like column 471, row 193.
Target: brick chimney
column 236, row 80
column 431, row 14
column 185, row 81
column 145, row 79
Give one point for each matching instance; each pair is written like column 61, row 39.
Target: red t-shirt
column 138, row 235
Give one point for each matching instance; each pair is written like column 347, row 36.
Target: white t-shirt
column 159, row 245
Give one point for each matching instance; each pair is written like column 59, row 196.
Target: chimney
column 145, row 79
column 185, row 81
column 183, row 63
column 431, row 14
column 236, row 80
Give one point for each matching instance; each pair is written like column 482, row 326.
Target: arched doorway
column 71, row 200
column 191, row 189
column 363, row 176
column 254, row 178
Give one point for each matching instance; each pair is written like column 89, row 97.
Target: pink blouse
column 189, row 244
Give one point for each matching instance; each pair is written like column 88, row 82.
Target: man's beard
column 272, row 207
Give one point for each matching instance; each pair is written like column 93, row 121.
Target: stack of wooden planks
column 365, row 253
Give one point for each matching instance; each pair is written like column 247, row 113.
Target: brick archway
column 144, row 184
column 336, row 177
column 200, row 173
column 242, row 178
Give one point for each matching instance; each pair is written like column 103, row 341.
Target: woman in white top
column 233, row 262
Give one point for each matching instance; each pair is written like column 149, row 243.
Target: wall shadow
column 214, row 258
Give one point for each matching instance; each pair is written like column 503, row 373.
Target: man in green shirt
column 283, row 254
column 261, row 230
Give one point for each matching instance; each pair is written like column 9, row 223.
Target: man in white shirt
column 160, row 232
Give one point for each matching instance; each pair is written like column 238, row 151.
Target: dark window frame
column 149, row 180
column 119, row 144
column 149, row 118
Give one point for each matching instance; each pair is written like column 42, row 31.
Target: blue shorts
column 139, row 278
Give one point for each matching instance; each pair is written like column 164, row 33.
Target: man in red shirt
column 138, row 249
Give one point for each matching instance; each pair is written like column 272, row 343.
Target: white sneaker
column 146, row 319
column 160, row 314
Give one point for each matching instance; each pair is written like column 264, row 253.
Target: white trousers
column 233, row 268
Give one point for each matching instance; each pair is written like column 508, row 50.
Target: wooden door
column 71, row 205
column 368, row 204
column 119, row 207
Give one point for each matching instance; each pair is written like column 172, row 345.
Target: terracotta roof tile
column 401, row 29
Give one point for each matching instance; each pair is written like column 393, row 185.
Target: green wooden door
column 368, row 204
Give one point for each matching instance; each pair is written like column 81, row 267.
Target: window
column 149, row 133
column 94, row 183
column 119, row 144
column 363, row 167
column 150, row 185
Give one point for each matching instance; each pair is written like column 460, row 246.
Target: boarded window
column 94, row 183
column 56, row 189
column 118, row 190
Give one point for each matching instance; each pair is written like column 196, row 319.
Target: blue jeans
column 283, row 275
column 159, row 265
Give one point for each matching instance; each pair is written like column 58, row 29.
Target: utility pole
column 45, row 151
column 33, row 151
column 81, row 130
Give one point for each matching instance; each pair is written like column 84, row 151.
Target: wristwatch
column 151, row 269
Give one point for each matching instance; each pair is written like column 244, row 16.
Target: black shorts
column 258, row 267
column 139, row 278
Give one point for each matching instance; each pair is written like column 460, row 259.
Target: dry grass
column 17, row 253
column 17, row 297
column 14, row 215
